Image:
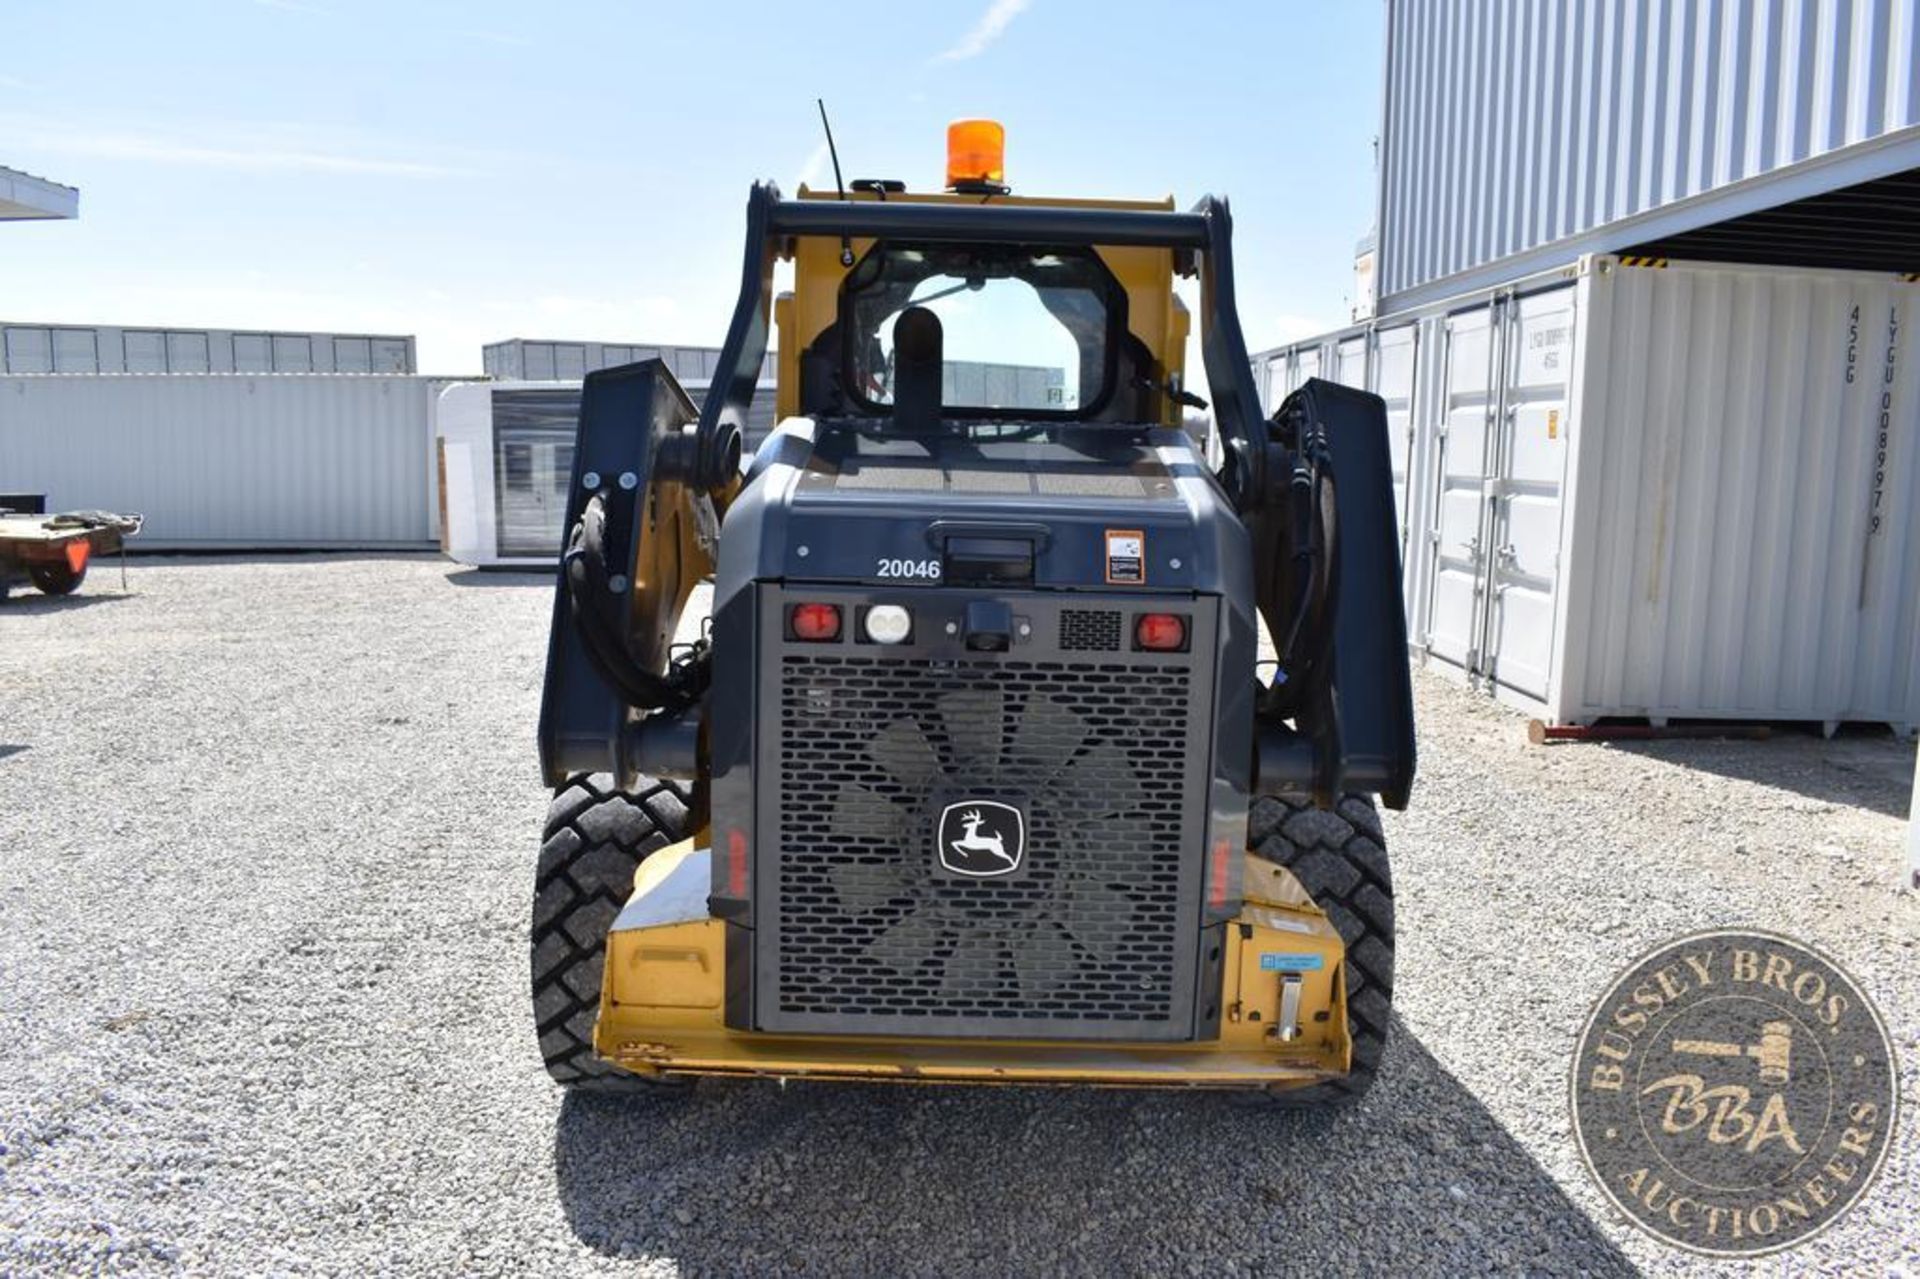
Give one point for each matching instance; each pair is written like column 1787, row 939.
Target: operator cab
column 924, row 334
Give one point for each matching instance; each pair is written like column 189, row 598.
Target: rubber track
column 1339, row 855
column 596, row 838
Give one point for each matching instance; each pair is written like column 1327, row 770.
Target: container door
column 1537, row 333
column 533, row 434
column 1393, row 382
column 1306, row 364
column 1271, row 382
column 1350, row 363
column 1459, row 534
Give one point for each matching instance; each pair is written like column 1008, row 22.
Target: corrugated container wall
column 230, row 461
column 1665, row 493
column 1516, row 124
column 1745, row 524
column 57, row 348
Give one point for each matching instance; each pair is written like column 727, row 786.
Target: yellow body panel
column 662, row 1011
column 1154, row 314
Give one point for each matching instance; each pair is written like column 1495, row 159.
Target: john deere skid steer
column 977, row 774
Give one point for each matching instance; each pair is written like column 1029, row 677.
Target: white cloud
column 992, row 25
column 13, row 82
column 256, row 156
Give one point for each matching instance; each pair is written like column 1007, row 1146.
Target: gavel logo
column 1774, row 1051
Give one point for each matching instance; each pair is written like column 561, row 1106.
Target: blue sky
column 473, row 171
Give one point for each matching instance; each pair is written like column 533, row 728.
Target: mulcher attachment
column 640, row 536
column 1338, row 713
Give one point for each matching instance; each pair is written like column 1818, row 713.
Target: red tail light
column 1160, row 632
column 815, row 622
column 736, row 863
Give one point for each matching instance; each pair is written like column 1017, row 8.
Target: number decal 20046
column 927, row 569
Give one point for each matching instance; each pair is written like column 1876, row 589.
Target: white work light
column 888, row 624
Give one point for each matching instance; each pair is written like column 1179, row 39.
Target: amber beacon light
column 976, row 156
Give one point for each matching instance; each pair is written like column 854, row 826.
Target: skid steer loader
column 976, row 773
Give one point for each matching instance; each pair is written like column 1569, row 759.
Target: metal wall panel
column 1515, row 124
column 29, row 350
column 229, row 460
column 1748, row 470
column 76, row 351
column 292, row 354
column 352, row 355
column 146, row 352
column 524, row 359
column 252, row 353
column 70, row 348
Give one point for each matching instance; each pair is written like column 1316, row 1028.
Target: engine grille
column 1094, row 936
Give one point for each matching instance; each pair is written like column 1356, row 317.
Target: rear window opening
column 1025, row 332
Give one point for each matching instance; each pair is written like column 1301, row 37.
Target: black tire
column 596, row 838
column 1339, row 855
column 56, row 579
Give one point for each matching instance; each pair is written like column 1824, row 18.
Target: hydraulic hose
column 596, row 616
column 1313, row 534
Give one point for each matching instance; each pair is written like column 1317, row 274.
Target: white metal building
column 1633, row 484
column 1518, row 136
column 231, row 461
column 547, row 360
column 25, row 198
column 506, row 458
column 72, row 348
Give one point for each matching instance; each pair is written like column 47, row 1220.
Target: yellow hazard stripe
column 1911, row 277
column 1635, row 259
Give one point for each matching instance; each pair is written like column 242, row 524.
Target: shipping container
column 231, row 461
column 1518, row 135
column 540, row 360
column 72, row 348
column 505, row 458
column 1666, row 492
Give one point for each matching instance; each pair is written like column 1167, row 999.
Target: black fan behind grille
column 868, row 926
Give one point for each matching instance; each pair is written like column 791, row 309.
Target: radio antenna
column 846, row 242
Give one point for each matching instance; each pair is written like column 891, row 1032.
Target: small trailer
column 53, row 551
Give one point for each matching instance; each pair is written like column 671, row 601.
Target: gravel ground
column 267, row 831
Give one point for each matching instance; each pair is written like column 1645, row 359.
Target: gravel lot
column 267, row 831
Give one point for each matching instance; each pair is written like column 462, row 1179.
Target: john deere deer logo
column 982, row 838
column 1734, row 1093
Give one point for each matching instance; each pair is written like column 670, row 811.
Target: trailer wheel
column 1339, row 855
column 56, row 579
column 596, row 837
